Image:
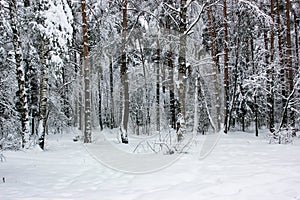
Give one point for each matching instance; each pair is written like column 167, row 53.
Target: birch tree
column 21, row 73
column 44, row 57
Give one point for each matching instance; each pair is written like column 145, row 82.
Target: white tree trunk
column 43, row 92
column 124, row 77
column 196, row 107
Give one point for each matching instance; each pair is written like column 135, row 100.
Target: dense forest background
column 145, row 66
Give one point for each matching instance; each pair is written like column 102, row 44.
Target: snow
column 144, row 22
column 58, row 20
column 240, row 166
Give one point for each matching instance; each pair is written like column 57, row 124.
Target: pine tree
column 87, row 88
column 289, row 62
column 214, row 66
column 226, row 60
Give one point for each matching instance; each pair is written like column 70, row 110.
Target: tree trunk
column 112, row 101
column 215, row 69
column 172, row 90
column 289, row 59
column 80, row 98
column 281, row 63
column 256, row 116
column 196, row 121
column 147, row 118
column 157, row 87
column 42, row 127
column 124, row 77
column 182, row 58
column 100, row 101
column 65, row 95
column 270, row 95
column 21, row 73
column 226, row 82
column 76, row 99
column 87, row 89
column 255, row 95
column 171, row 77
column 235, row 84
column 76, row 65
column 296, row 29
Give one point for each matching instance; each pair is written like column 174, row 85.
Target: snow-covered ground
column 240, row 166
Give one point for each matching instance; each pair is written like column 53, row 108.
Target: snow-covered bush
column 284, row 136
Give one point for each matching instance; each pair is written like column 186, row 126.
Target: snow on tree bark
column 215, row 70
column 281, row 61
column 226, row 59
column 80, row 95
column 21, row 73
column 43, row 91
column 289, row 61
column 182, row 57
column 171, row 76
column 124, row 76
column 112, row 101
column 296, row 28
column 271, row 73
column 157, row 86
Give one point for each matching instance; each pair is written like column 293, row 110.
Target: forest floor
column 240, row 166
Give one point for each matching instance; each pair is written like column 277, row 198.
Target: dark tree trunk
column 281, row 63
column 256, row 116
column 87, row 89
column 124, row 77
column 289, row 61
column 100, row 101
column 296, row 29
column 21, row 73
column 255, row 95
column 270, row 96
column 182, row 57
column 226, row 59
column 112, row 101
column 80, row 98
column 157, row 87
column 215, row 67
column 171, row 77
column 172, row 90
column 65, row 95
